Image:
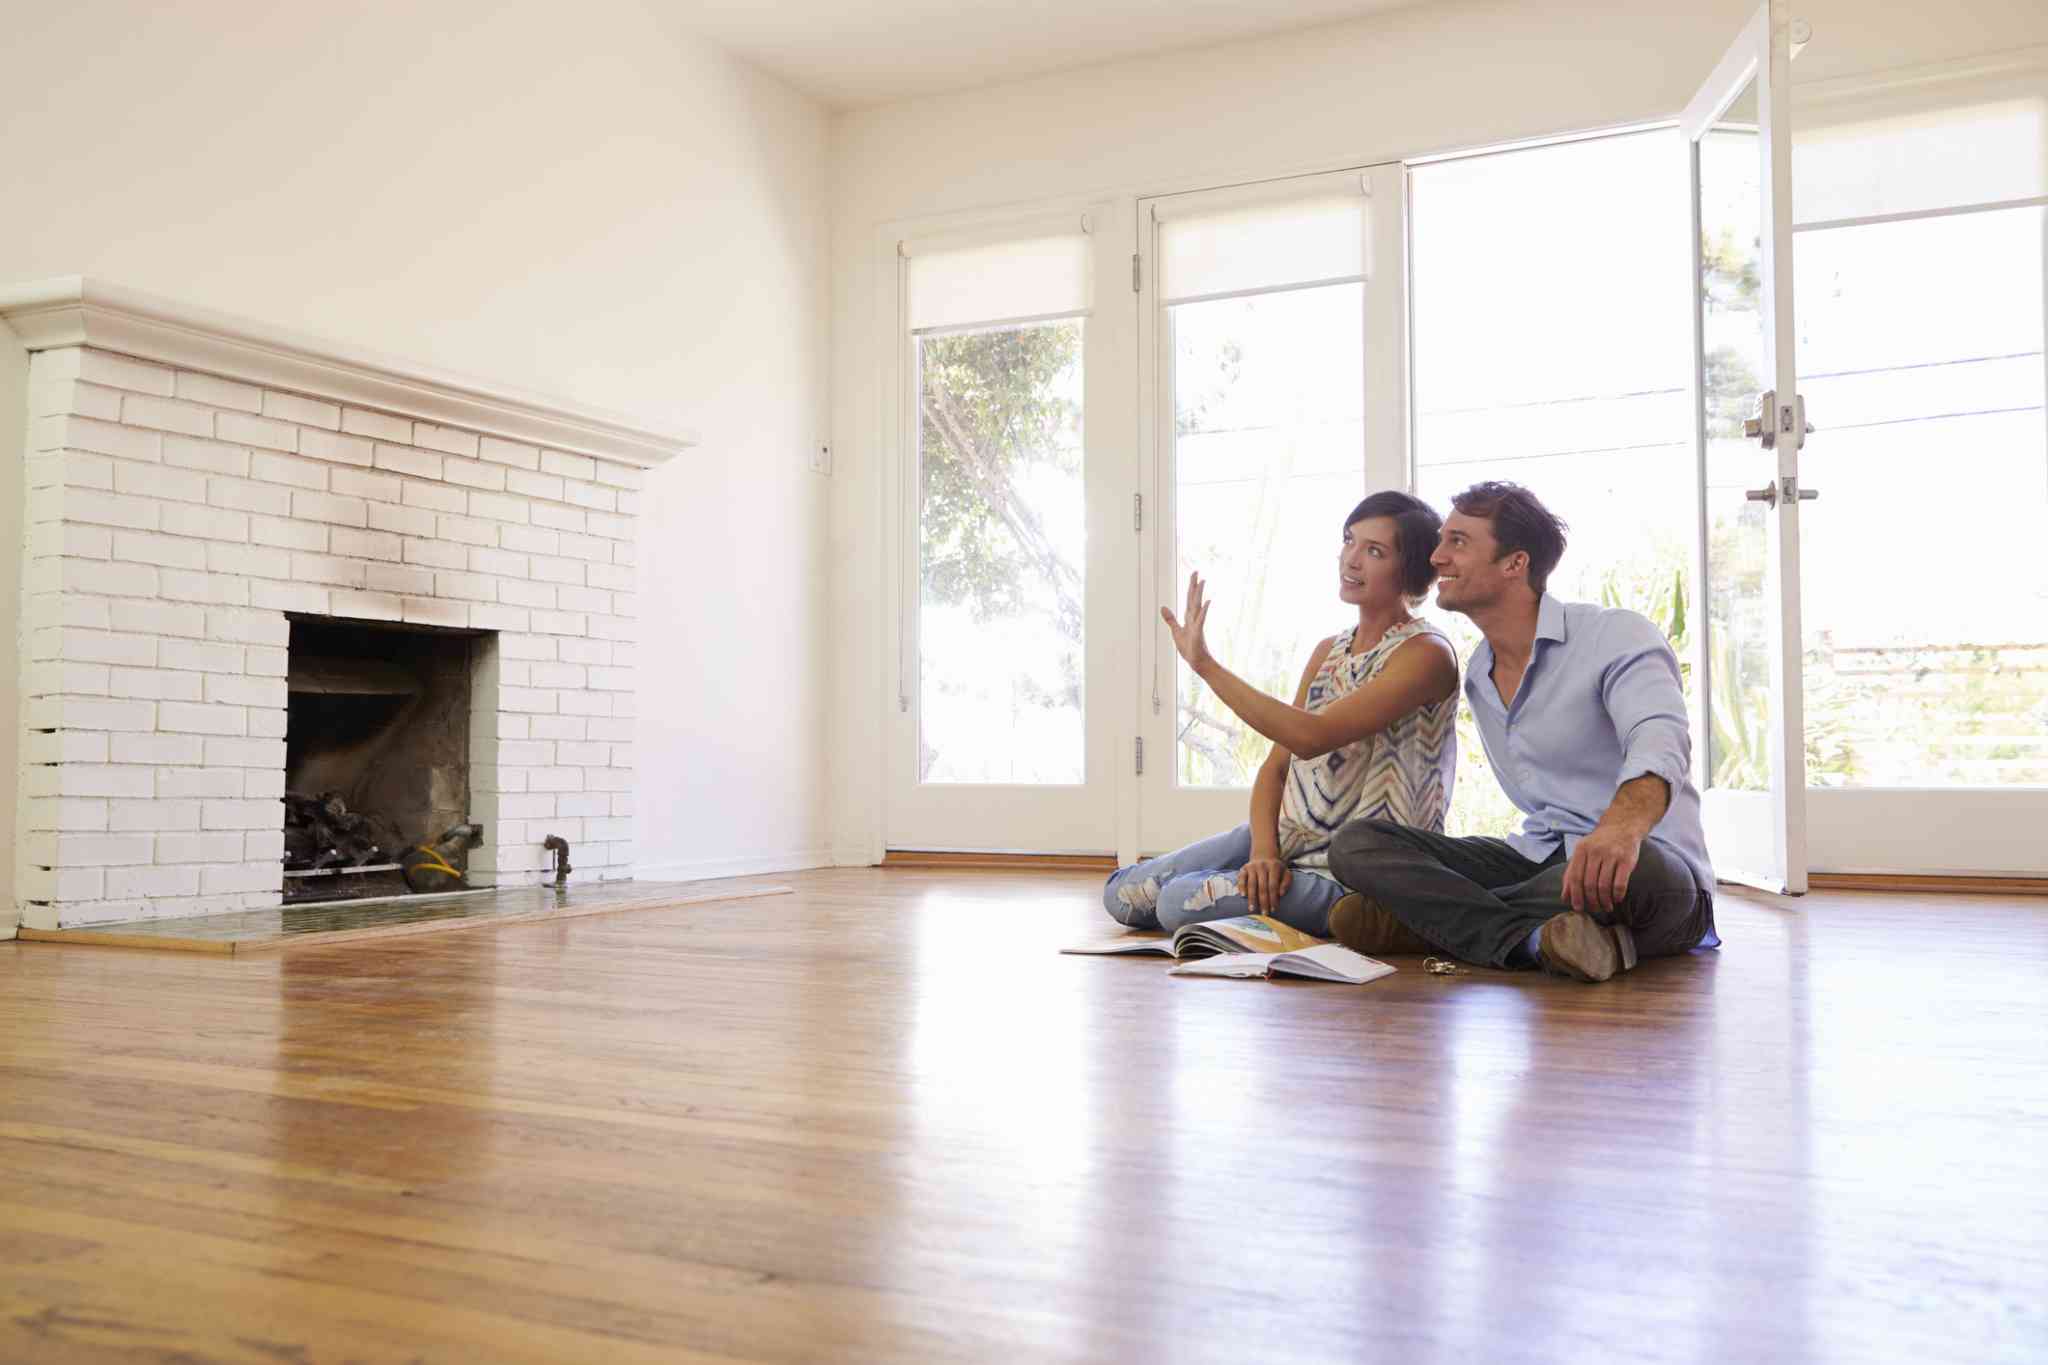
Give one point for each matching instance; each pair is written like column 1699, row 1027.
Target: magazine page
column 1129, row 943
column 1227, row 964
column 1240, row 934
column 1332, row 962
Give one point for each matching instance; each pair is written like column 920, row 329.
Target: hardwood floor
column 883, row 1120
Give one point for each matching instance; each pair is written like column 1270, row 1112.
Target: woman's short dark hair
column 1416, row 527
column 1520, row 522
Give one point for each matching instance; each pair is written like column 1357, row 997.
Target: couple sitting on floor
column 1584, row 722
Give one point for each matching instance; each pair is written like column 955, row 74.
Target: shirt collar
column 1550, row 619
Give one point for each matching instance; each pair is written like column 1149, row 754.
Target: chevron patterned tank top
column 1403, row 773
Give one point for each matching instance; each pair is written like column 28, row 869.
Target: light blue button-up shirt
column 1601, row 703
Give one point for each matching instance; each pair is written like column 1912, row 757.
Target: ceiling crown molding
column 79, row 311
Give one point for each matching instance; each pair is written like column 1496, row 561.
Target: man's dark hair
column 1520, row 522
column 1416, row 527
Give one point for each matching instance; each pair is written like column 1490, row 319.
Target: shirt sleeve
column 1645, row 699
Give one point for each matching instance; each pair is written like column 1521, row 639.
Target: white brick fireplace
column 192, row 478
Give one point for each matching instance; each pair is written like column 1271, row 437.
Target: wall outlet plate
column 821, row 459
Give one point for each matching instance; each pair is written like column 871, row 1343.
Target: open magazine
column 1249, row 945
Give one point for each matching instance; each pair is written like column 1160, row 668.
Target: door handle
column 1786, row 488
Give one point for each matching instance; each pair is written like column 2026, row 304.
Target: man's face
column 1468, row 576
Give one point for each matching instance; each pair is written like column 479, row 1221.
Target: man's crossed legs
column 1479, row 900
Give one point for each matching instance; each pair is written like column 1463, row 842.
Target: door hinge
column 1138, row 748
column 1137, row 511
column 1137, row 272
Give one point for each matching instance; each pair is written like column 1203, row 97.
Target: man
column 1583, row 718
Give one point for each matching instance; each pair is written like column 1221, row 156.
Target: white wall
column 588, row 203
column 1437, row 77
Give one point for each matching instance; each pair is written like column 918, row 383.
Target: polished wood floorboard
column 883, row 1120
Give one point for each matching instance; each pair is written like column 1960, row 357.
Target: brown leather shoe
column 1362, row 925
column 1574, row 944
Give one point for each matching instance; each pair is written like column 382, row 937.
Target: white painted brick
column 559, row 727
column 625, row 703
column 263, row 784
column 185, row 452
column 618, row 779
column 145, row 547
column 158, row 618
column 588, row 703
column 526, row 699
column 468, row 586
column 500, row 562
column 629, row 504
column 91, row 576
column 514, row 673
column 330, row 445
column 222, row 878
column 586, row 548
column 612, row 576
column 491, row 726
column 498, row 507
column 306, row 412
column 446, row 439
column 557, row 674
column 287, row 534
column 249, row 628
column 382, row 426
column 550, row 570
column 57, row 678
column 591, row 496
column 585, row 755
column 256, row 431
column 521, row 594
column 467, row 531
column 366, row 606
column 116, row 371
column 221, row 393
column 622, row 803
column 488, row 616
column 440, row 554
column 534, row 807
column 346, row 573
column 64, row 746
column 611, row 680
column 135, row 816
column 568, row 466
column 66, row 609
column 264, row 845
column 581, row 804
column 99, row 850
column 558, row 518
column 437, row 497
column 618, row 475
column 583, row 599
column 510, row 453
column 615, row 628
column 265, row 724
column 406, row 460
column 533, row 485
column 608, row 829
column 243, row 496
column 59, row 884
column 154, row 749
column 154, row 684
column 299, row 597
column 473, row 474
column 329, row 508
column 413, row 521
column 152, row 881
column 529, row 540
column 428, row 611
column 111, row 509
column 198, row 784
column 227, row 752
column 525, row 754
column 484, row 779
column 70, row 538
column 526, row 647
column 625, row 552
column 58, row 398
column 233, row 691
column 560, row 623
column 382, row 545
column 69, row 469
column 199, row 657
column 93, row 647
column 393, row 578
column 201, row 848
column 296, row 473
column 205, row 523
column 372, row 487
column 201, row 718
column 100, row 438
column 165, row 414
column 67, row 815
column 258, row 561
column 81, row 914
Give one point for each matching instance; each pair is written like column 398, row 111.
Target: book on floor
column 1247, row 946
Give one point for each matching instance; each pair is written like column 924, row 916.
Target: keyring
column 1442, row 966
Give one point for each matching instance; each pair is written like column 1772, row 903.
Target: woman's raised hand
column 1187, row 631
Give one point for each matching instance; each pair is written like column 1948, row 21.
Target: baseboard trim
column 1013, row 862
column 1896, row 881
column 708, row 869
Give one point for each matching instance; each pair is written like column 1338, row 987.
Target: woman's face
column 1369, row 569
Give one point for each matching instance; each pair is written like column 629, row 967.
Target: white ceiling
column 850, row 54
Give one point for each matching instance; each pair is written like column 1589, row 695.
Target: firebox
column 377, row 783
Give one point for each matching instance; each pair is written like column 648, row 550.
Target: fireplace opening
column 377, row 793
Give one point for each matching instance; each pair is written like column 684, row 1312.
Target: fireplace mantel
column 77, row 310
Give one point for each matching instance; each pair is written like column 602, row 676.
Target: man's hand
column 1263, row 882
column 1187, row 630
column 1597, row 876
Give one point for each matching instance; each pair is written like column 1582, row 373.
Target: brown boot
column 1362, row 925
column 1574, row 944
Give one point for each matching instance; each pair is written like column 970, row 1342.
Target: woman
column 1371, row 733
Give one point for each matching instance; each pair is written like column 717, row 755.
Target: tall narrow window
column 997, row 332
column 1263, row 297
